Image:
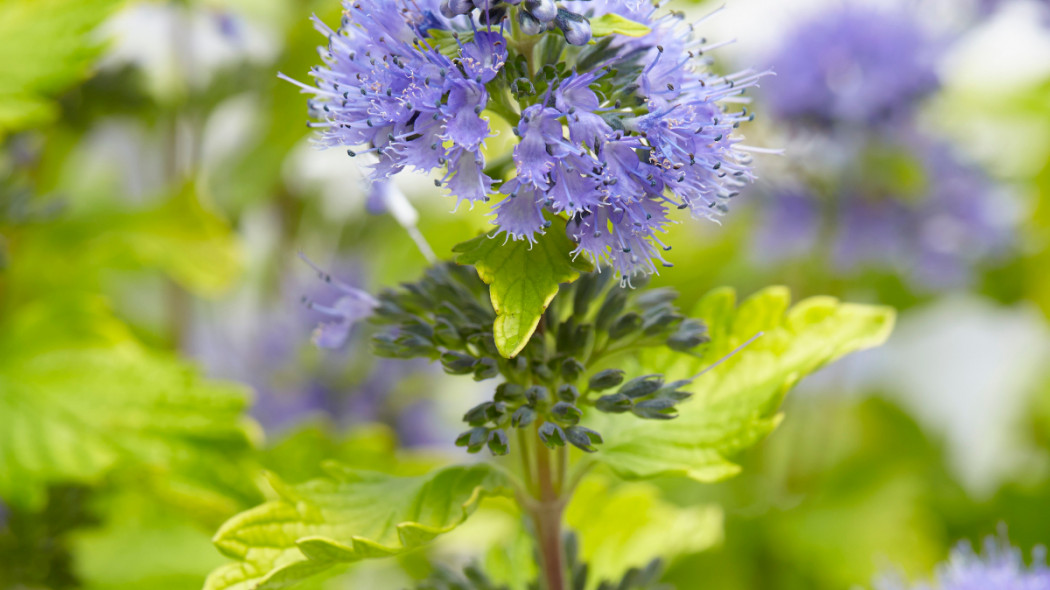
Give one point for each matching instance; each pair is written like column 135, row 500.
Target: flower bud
column 522, row 417
column 605, row 379
column 529, row 24
column 498, row 443
column 583, row 438
column 625, row 325
column 577, row 29
column 477, row 415
column 568, row 393
column 616, row 403
column 486, row 368
column 509, row 392
column 446, row 10
column 655, row 409
column 571, row 369
column 543, row 10
column 566, row 413
column 473, row 439
column 642, row 386
column 552, row 435
column 457, row 363
column 536, row 394
column 460, row 6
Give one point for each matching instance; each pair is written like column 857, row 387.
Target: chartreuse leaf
column 178, row 235
column 45, row 46
column 181, row 236
column 348, row 516
column 122, row 553
column 629, row 525
column 80, row 397
column 736, row 403
column 614, row 24
column 523, row 279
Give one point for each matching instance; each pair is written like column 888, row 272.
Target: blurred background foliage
column 157, row 181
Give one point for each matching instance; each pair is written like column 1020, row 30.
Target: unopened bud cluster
column 533, row 17
column 561, row 373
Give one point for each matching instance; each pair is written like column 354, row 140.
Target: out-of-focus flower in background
column 855, row 63
column 998, row 567
column 868, row 186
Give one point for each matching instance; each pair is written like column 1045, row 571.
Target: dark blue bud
column 552, row 435
column 566, row 413
column 509, row 392
column 544, row 10
column 522, row 417
column 583, row 438
column 498, row 443
column 642, row 386
column 460, row 6
column 530, row 25
column 605, row 379
column 568, row 393
column 577, row 29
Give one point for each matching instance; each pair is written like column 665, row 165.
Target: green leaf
column 181, row 236
column 614, row 24
column 349, row 516
column 45, row 46
column 80, row 397
column 178, row 235
column 523, row 279
column 735, row 404
column 123, row 553
column 628, row 526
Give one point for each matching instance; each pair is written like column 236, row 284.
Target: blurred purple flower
column 1001, row 567
column 351, row 307
column 852, row 63
column 933, row 234
column 790, row 223
column 262, row 342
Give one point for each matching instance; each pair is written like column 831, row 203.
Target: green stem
column 526, row 461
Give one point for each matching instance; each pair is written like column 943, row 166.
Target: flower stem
column 546, row 517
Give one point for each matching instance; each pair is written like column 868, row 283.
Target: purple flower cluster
column 612, row 136
column 854, row 63
column 388, row 87
column 1001, row 567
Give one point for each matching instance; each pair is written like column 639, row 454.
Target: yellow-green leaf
column 614, row 24
column 628, row 525
column 736, row 404
column 348, row 516
column 45, row 46
column 80, row 397
column 523, row 278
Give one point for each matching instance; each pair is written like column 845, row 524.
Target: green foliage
column 349, row 516
column 123, row 554
column 79, row 397
column 523, row 279
column 34, row 548
column 45, row 46
column 179, row 235
column 614, row 24
column 736, row 403
column 628, row 526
